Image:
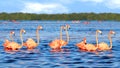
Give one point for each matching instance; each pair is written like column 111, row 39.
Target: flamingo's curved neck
column 11, row 38
column 96, row 39
column 67, row 35
column 37, row 36
column 109, row 37
column 60, row 33
column 21, row 37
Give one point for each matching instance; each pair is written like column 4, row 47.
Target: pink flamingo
column 7, row 41
column 82, row 44
column 91, row 47
column 58, row 43
column 104, row 46
column 14, row 21
column 30, row 43
column 13, row 45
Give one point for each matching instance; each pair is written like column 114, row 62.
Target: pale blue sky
column 60, row 6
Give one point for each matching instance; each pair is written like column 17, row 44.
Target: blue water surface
column 70, row 56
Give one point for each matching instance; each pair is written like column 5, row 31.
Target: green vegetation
column 71, row 16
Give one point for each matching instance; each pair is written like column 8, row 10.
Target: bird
column 30, row 43
column 104, row 46
column 91, row 47
column 82, row 44
column 11, row 39
column 14, row 45
column 58, row 43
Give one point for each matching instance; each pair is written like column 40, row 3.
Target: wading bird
column 15, row 46
column 91, row 47
column 104, row 46
column 11, row 39
column 82, row 44
column 30, row 43
column 58, row 43
column 88, row 47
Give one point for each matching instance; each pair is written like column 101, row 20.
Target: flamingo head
column 67, row 26
column 7, row 41
column 62, row 27
column 112, row 32
column 99, row 31
column 12, row 32
column 23, row 31
column 40, row 27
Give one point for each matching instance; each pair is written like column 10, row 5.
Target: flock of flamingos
column 58, row 43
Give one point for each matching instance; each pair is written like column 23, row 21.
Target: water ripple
column 70, row 56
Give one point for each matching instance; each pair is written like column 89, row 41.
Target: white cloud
column 67, row 1
column 113, row 4
column 73, row 1
column 44, row 8
column 96, row 1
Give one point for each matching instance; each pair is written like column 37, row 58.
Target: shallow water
column 70, row 56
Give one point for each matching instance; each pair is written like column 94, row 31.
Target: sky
column 60, row 6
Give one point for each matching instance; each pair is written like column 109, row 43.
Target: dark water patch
column 45, row 41
column 25, row 58
column 82, row 67
column 56, row 66
column 77, row 59
column 9, row 61
column 105, row 57
column 78, row 62
column 44, row 45
column 33, row 67
column 103, row 67
column 107, row 62
column 67, row 62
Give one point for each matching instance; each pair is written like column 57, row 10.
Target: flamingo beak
column 24, row 32
column 14, row 34
column 69, row 28
column 114, row 34
column 42, row 29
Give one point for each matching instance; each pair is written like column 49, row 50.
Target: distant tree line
column 71, row 16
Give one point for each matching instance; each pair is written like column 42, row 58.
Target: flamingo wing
column 55, row 44
column 13, row 45
column 103, row 46
column 90, row 47
column 30, row 43
column 81, row 45
column 6, row 43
